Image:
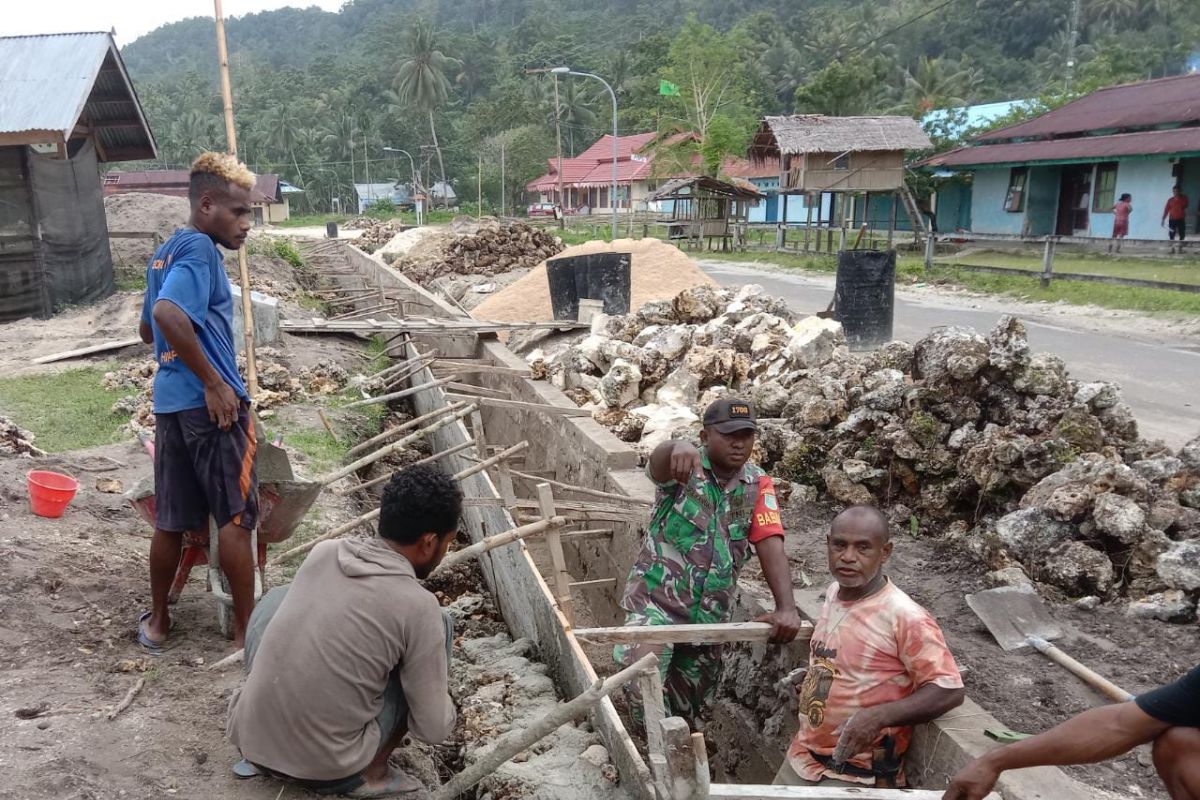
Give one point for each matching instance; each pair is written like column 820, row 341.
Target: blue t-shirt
column 187, row 270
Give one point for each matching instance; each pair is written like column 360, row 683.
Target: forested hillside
column 318, row 95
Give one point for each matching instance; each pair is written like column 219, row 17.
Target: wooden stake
column 481, row 446
column 328, row 427
column 83, row 351
column 243, row 266
column 228, row 661
column 654, row 708
column 570, row 487
column 700, row 752
column 333, row 533
column 681, row 762
column 517, row 741
column 562, row 578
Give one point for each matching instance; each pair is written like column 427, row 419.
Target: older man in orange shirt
column 878, row 665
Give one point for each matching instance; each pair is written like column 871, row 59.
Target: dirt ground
column 1023, row 690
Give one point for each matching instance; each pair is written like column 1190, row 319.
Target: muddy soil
column 1024, row 691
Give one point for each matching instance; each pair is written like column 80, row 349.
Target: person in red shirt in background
column 1121, row 211
column 878, row 664
column 1175, row 215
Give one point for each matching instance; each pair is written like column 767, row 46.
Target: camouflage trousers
column 690, row 674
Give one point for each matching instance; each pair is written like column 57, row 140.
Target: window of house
column 842, row 161
column 111, row 179
column 1014, row 200
column 1106, row 187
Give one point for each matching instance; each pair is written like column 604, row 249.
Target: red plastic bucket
column 50, row 492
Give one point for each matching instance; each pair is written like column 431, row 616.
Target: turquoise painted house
column 1060, row 173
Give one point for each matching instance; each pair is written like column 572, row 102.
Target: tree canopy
column 318, row 95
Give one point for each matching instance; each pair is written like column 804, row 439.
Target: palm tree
column 282, row 135
column 421, row 80
column 574, row 110
column 1112, row 10
column 936, row 83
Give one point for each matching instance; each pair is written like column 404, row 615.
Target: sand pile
column 659, row 271
column 136, row 212
column 375, row 233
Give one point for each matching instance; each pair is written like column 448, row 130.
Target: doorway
column 1074, row 197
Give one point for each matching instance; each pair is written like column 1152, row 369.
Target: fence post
column 929, row 251
column 1048, row 262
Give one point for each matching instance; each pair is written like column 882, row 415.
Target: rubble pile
column 15, row 441
column 492, row 248
column 278, row 384
column 375, row 232
column 961, row 433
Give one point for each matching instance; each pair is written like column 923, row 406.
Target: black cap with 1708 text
column 731, row 414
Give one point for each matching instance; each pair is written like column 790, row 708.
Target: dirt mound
column 140, row 212
column 486, row 248
column 659, row 271
column 15, row 441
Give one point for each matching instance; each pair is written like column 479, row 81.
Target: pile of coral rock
column 277, row 384
column 375, row 232
column 961, row 435
column 16, row 441
column 491, row 248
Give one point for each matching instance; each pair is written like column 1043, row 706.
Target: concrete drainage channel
column 751, row 724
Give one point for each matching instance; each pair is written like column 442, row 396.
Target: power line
column 903, row 25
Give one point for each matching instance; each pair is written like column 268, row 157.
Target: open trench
column 495, row 672
column 497, row 680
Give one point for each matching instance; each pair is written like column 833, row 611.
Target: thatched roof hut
column 838, row 154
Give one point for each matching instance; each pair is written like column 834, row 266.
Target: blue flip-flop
column 149, row 645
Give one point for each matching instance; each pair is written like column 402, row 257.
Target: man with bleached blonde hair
column 204, row 431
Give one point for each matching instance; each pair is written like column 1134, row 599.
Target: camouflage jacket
column 696, row 545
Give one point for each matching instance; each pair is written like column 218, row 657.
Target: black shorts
column 1175, row 226
column 201, row 470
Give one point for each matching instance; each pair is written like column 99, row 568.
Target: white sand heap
column 658, row 271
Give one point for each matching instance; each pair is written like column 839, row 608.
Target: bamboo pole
column 499, row 540
column 386, row 398
column 332, row 533
column 362, row 447
column 496, row 459
column 342, row 472
column 362, row 487
column 243, row 266
column 517, row 741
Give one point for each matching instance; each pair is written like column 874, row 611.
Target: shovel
column 1017, row 618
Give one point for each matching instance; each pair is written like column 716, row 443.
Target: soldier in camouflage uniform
column 712, row 506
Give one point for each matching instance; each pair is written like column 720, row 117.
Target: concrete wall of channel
column 754, row 718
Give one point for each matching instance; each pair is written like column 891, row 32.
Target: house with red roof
column 587, row 177
column 1060, row 173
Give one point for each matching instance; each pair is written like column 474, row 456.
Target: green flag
column 667, row 89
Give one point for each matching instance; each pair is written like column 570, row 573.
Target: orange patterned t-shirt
column 865, row 653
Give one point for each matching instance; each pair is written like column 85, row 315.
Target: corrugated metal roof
column 814, row 133
column 1132, row 105
column 1083, row 148
column 626, row 147
column 51, row 83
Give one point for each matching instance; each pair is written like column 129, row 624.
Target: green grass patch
column 288, row 252
column 1131, row 298
column 377, row 348
column 1145, row 269
column 323, row 451
column 129, row 281
column 66, row 410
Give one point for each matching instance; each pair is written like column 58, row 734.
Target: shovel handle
column 1088, row 676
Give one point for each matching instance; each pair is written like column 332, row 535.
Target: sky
column 130, row 18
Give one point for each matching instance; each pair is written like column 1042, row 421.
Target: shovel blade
column 1012, row 614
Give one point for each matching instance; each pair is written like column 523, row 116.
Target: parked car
column 540, row 210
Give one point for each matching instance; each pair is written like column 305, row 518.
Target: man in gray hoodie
column 356, row 654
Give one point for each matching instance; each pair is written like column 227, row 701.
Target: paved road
column 1160, row 377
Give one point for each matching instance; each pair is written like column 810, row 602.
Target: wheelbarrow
column 283, row 501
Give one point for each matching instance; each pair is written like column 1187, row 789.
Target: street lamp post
column 415, row 187
column 612, row 197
